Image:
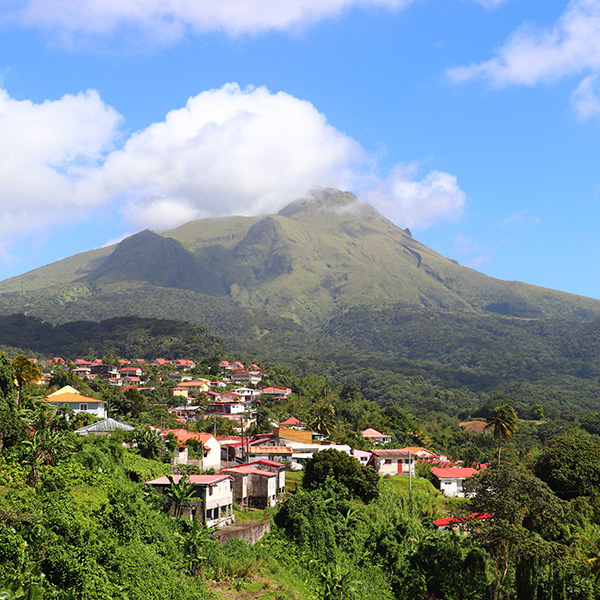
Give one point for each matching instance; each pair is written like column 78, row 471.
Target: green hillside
column 317, row 257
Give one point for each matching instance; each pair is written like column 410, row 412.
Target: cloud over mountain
column 227, row 151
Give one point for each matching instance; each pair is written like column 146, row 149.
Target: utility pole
column 409, row 471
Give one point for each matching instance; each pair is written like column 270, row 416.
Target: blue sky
column 473, row 122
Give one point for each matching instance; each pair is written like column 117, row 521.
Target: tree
column 26, row 371
column 361, row 482
column 149, row 442
column 503, row 421
column 570, row 465
column 179, row 494
column 323, row 418
column 527, row 536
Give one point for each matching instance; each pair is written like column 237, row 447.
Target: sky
column 474, row 122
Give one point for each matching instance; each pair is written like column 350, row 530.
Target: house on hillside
column 375, row 436
column 253, row 487
column 212, row 501
column 450, row 480
column 108, row 372
column 275, row 392
column 212, row 447
column 396, row 461
column 69, row 396
column 293, row 423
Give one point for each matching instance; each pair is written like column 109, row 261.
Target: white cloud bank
column 169, row 19
column 228, row 151
column 531, row 56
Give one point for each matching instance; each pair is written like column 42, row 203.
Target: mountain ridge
column 318, row 256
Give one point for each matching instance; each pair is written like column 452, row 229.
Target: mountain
column 315, row 259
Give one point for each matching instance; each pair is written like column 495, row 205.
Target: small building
column 275, row 392
column 362, row 456
column 69, row 396
column 274, row 467
column 212, row 501
column 396, row 461
column 212, row 447
column 375, row 436
column 253, row 487
column 104, row 427
column 451, row 479
column 293, row 423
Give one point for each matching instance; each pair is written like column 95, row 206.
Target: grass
column 292, row 481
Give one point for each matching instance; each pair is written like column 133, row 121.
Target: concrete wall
column 251, row 531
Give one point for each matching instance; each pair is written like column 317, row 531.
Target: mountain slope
column 318, row 257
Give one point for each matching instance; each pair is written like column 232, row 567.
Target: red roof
column 292, row 421
column 453, row 472
column 198, row 479
column 266, row 462
column 183, row 435
column 250, row 471
column 446, row 521
column 391, row 452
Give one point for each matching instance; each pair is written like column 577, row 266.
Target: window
column 83, row 407
column 387, row 461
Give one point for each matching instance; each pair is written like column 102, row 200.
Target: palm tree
column 323, row 420
column 26, row 371
column 180, row 494
column 504, row 423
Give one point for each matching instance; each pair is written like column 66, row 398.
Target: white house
column 69, row 396
column 398, row 461
column 212, row 502
column 451, row 479
column 212, row 447
column 375, row 436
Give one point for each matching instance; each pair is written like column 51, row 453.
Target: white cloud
column 47, row 152
column 166, row 20
column 585, row 100
column 417, row 203
column 530, row 55
column 228, row 151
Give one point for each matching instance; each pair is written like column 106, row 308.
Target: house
column 82, row 372
column 247, row 394
column 253, row 487
column 195, row 386
column 451, row 479
column 282, row 454
column 293, row 423
column 184, row 364
column 69, row 396
column 375, row 436
column 161, row 362
column 230, row 403
column 103, row 427
column 245, row 377
column 212, row 447
column 108, row 372
column 362, row 456
column 275, row 392
column 273, row 466
column 397, row 461
column 212, row 501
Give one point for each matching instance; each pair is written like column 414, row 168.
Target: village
column 245, row 468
